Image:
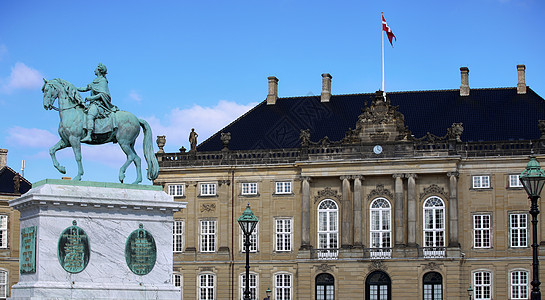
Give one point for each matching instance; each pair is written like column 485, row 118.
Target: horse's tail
column 151, row 159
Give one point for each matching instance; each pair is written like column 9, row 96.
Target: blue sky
column 201, row 64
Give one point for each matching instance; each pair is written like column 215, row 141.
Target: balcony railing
column 325, row 253
column 433, row 252
column 380, row 253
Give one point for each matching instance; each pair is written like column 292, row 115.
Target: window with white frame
column 177, row 280
column 328, row 225
column 178, row 236
column 208, row 189
column 519, row 284
column 252, row 286
column 518, row 224
column 176, row 190
column 3, row 284
column 208, row 235
column 207, row 286
column 253, row 240
column 282, row 286
column 434, row 222
column 381, row 232
column 481, row 182
column 283, row 187
column 514, row 181
column 482, row 282
column 249, row 188
column 3, row 231
column 283, row 232
column 481, row 231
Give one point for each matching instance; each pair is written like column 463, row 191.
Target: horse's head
column 50, row 94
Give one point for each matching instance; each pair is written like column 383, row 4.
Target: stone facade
column 447, row 215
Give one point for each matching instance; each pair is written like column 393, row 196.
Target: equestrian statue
column 98, row 122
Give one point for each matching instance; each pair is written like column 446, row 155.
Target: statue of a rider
column 100, row 104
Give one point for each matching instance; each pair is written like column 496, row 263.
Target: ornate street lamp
column 247, row 223
column 268, row 292
column 533, row 180
column 469, row 291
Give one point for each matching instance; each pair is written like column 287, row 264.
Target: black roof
column 6, row 182
column 495, row 114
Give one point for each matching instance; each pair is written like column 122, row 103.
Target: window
column 253, row 240
column 481, row 231
column 482, row 281
column 208, row 236
column 514, row 181
column 282, row 286
column 519, row 285
column 518, row 229
column 3, row 284
column 325, row 287
column 206, row 286
column 208, row 189
column 433, row 286
column 252, row 285
column 434, row 227
column 249, row 188
column 283, row 229
column 283, row 187
column 378, row 286
column 328, row 228
column 3, row 231
column 178, row 236
column 481, row 182
column 177, row 280
column 176, row 190
column 381, row 231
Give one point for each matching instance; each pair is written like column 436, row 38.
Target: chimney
column 464, row 88
column 3, row 158
column 273, row 90
column 521, row 85
column 326, row 87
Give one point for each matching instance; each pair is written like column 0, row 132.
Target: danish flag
column 389, row 32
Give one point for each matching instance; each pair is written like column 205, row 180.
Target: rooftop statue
column 99, row 122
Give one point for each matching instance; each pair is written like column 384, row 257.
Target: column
column 346, row 209
column 305, row 217
column 398, row 214
column 358, row 212
column 453, row 209
column 412, row 209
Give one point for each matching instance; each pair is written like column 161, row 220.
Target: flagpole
column 382, row 35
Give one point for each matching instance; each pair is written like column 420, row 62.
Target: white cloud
column 206, row 120
column 31, row 137
column 22, row 77
column 133, row 95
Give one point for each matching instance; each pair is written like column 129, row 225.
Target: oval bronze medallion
column 140, row 251
column 73, row 249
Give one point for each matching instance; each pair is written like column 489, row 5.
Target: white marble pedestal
column 108, row 212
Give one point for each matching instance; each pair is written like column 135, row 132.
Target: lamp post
column 247, row 223
column 469, row 291
column 533, row 179
column 268, row 291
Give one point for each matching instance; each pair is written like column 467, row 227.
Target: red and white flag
column 389, row 32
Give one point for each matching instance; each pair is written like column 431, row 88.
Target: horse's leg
column 138, row 165
column 130, row 157
column 58, row 146
column 76, row 146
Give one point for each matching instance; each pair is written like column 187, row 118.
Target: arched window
column 434, row 227
column 519, row 280
column 207, row 286
column 282, row 286
column 378, row 286
column 253, row 285
column 328, row 228
column 325, row 287
column 381, row 228
column 433, row 286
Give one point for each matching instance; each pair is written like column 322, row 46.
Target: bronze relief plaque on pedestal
column 140, row 251
column 73, row 249
column 27, row 252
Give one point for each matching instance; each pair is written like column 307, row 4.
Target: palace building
column 408, row 195
column 12, row 185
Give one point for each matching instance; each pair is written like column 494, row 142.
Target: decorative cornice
column 360, row 177
column 398, row 175
column 433, row 189
column 327, row 193
column 324, row 267
column 305, row 178
column 453, row 173
column 411, row 175
column 432, row 266
column 343, row 177
column 377, row 264
column 380, row 191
